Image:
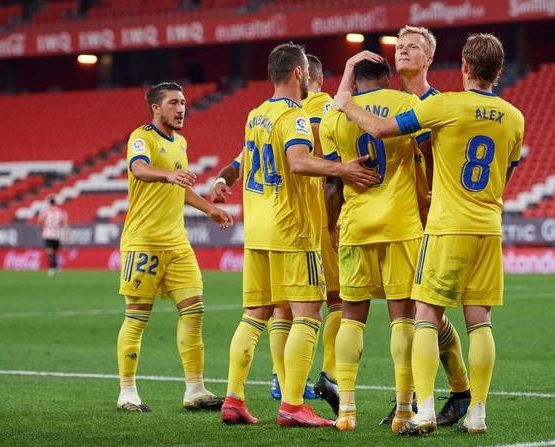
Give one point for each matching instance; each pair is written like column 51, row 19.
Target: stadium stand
column 10, row 14
column 97, row 188
column 532, row 182
column 52, row 12
column 82, row 129
column 300, row 5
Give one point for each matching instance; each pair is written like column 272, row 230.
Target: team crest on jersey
column 178, row 165
column 163, row 150
column 327, row 107
column 138, row 146
column 301, row 125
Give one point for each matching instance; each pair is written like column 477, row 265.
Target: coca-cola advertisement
column 108, row 258
column 515, row 259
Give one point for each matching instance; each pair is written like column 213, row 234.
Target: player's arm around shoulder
column 298, row 144
column 375, row 125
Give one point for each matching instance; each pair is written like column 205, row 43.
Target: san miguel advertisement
column 140, row 33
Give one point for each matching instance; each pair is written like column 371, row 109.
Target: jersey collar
column 162, row 134
column 287, row 100
column 481, row 92
column 430, row 91
column 367, row 91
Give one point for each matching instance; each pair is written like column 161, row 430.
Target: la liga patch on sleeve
column 138, row 146
column 301, row 125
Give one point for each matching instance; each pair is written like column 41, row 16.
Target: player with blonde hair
column 476, row 145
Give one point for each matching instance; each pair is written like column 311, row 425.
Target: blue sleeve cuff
column 235, row 164
column 138, row 157
column 315, row 120
column 407, row 122
column 515, row 163
column 298, row 141
column 423, row 137
column 333, row 156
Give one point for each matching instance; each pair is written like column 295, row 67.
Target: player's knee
column 283, row 312
column 356, row 310
column 333, row 299
column 261, row 312
column 429, row 312
column 138, row 308
column 188, row 302
column 307, row 309
column 477, row 315
column 401, row 309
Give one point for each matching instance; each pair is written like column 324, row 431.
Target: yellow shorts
column 382, row 270
column 331, row 262
column 455, row 269
column 274, row 277
column 171, row 274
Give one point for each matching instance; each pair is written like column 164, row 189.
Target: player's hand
column 355, row 173
column 220, row 191
column 341, row 99
column 221, row 217
column 182, row 178
column 364, row 55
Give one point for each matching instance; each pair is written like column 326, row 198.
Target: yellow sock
column 402, row 333
column 189, row 341
column 129, row 345
column 425, row 359
column 450, row 353
column 348, row 348
column 279, row 331
column 241, row 352
column 298, row 356
column 331, row 326
column 481, row 358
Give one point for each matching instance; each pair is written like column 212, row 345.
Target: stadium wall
column 148, row 32
column 516, row 259
column 529, row 246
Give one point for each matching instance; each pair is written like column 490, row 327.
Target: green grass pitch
column 69, row 325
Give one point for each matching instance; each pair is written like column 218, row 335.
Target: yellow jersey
column 422, row 187
column 388, row 211
column 315, row 105
column 476, row 137
column 276, row 202
column 155, row 219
